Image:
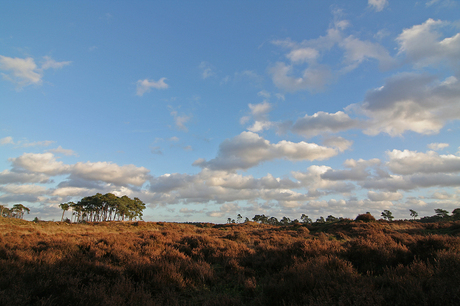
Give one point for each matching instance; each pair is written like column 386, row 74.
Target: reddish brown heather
column 156, row 263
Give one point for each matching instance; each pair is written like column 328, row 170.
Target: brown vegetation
column 154, row 263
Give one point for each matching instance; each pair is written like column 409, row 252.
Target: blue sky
column 209, row 109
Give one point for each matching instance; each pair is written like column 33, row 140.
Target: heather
column 156, row 263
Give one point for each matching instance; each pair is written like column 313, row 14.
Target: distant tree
column 229, row 220
column 273, row 221
column 18, row 211
column 65, row 207
column 456, row 214
column 320, row 220
column 246, row 220
column 239, row 217
column 285, row 221
column 3, row 211
column 388, row 215
column 441, row 213
column 305, row 219
column 261, row 219
column 413, row 213
column 331, row 218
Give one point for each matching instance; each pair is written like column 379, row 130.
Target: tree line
column 17, row 211
column 107, row 207
column 440, row 215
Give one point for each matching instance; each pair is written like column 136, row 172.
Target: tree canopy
column 107, row 207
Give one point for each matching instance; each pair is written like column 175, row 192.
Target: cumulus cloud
column 411, row 102
column 410, row 162
column 21, row 71
column 249, row 149
column 24, row 71
column 146, row 85
column 357, row 170
column 259, row 113
column 338, row 142
column 110, row 173
column 323, row 122
column 23, row 189
column 422, row 44
column 312, row 78
column 384, row 196
column 44, row 163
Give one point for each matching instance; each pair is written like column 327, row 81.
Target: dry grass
column 156, row 263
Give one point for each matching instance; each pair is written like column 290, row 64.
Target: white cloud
column 61, row 150
column 44, row 163
column 6, row 140
column 249, row 149
column 146, row 85
column 340, row 143
column 377, row 5
column 410, row 162
column 180, row 121
column 322, row 122
column 44, row 143
column 110, row 173
column 7, row 177
column 411, row 102
column 313, row 78
column 23, row 189
column 437, row 146
column 357, row 170
column 357, row 51
column 316, row 76
column 422, row 44
column 259, row 113
column 24, row 72
column 51, row 63
column 384, row 196
column 303, row 55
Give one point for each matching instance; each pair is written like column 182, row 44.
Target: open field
column 154, row 263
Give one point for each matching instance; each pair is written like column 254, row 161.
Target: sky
column 208, row 109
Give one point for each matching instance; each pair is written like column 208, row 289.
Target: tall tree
column 413, row 213
column 19, row 210
column 388, row 215
column 65, row 207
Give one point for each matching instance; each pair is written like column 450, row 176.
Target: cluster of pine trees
column 17, row 211
column 107, row 207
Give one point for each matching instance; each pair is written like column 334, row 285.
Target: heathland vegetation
column 335, row 262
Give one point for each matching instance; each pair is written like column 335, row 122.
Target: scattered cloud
column 60, row 150
column 377, row 5
column 249, row 149
column 180, row 120
column 207, row 70
column 437, row 146
column 411, row 102
column 146, row 85
column 24, row 71
column 6, row 140
column 322, row 122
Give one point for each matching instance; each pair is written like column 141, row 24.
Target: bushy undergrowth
column 147, row 263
